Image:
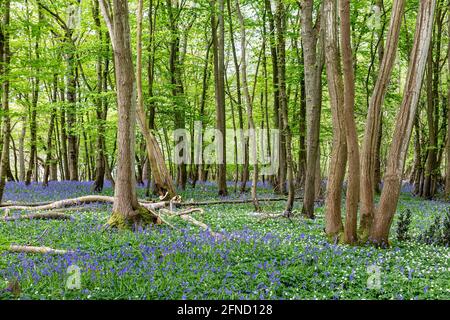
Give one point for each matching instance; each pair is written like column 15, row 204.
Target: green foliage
column 438, row 232
column 403, row 226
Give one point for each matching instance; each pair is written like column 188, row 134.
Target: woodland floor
column 257, row 259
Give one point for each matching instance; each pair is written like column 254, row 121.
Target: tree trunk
column 22, row 169
column 218, row 30
column 5, row 60
column 71, row 111
column 286, row 131
column 99, row 103
column 373, row 123
column 249, row 103
column 313, row 66
column 276, row 96
column 162, row 179
column 333, row 221
column 126, row 209
column 403, row 128
column 33, row 126
column 352, row 199
column 447, row 146
column 48, row 159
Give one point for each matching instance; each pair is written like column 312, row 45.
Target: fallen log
column 30, row 249
column 77, row 202
column 32, row 204
column 237, row 201
column 44, row 203
column 38, row 216
column 184, row 215
column 146, row 203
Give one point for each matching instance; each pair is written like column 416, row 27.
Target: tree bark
column 99, row 102
column 48, row 159
column 33, row 125
column 162, row 179
column 373, row 122
column 286, row 130
column 403, row 128
column 249, row 103
column 352, row 199
column 333, row 221
column 5, row 60
column 447, row 146
column 218, row 30
column 126, row 209
column 313, row 65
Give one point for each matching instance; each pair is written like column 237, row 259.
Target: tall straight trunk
column 126, row 209
column 5, row 60
column 433, row 97
column 381, row 51
column 177, row 87
column 99, row 103
column 417, row 157
column 249, row 103
column 338, row 161
column 276, row 95
column 163, row 180
column 266, row 94
column 49, row 160
column 22, row 169
column 218, row 30
column 286, row 130
column 373, row 123
column 432, row 134
column 447, row 146
column 72, row 138
column 205, row 84
column 404, row 123
column 244, row 172
column 72, row 79
column 302, row 128
column 87, row 162
column 151, row 49
column 33, row 125
column 65, row 159
column 313, row 57
column 352, row 199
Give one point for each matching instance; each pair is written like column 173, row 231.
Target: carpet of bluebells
column 257, row 259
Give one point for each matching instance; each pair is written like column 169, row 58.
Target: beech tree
column 162, row 179
column 5, row 60
column 126, row 208
column 218, row 36
column 344, row 121
column 313, row 55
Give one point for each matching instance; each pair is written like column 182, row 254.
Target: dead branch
column 238, row 201
column 201, row 225
column 78, row 202
column 30, row 249
column 38, row 216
